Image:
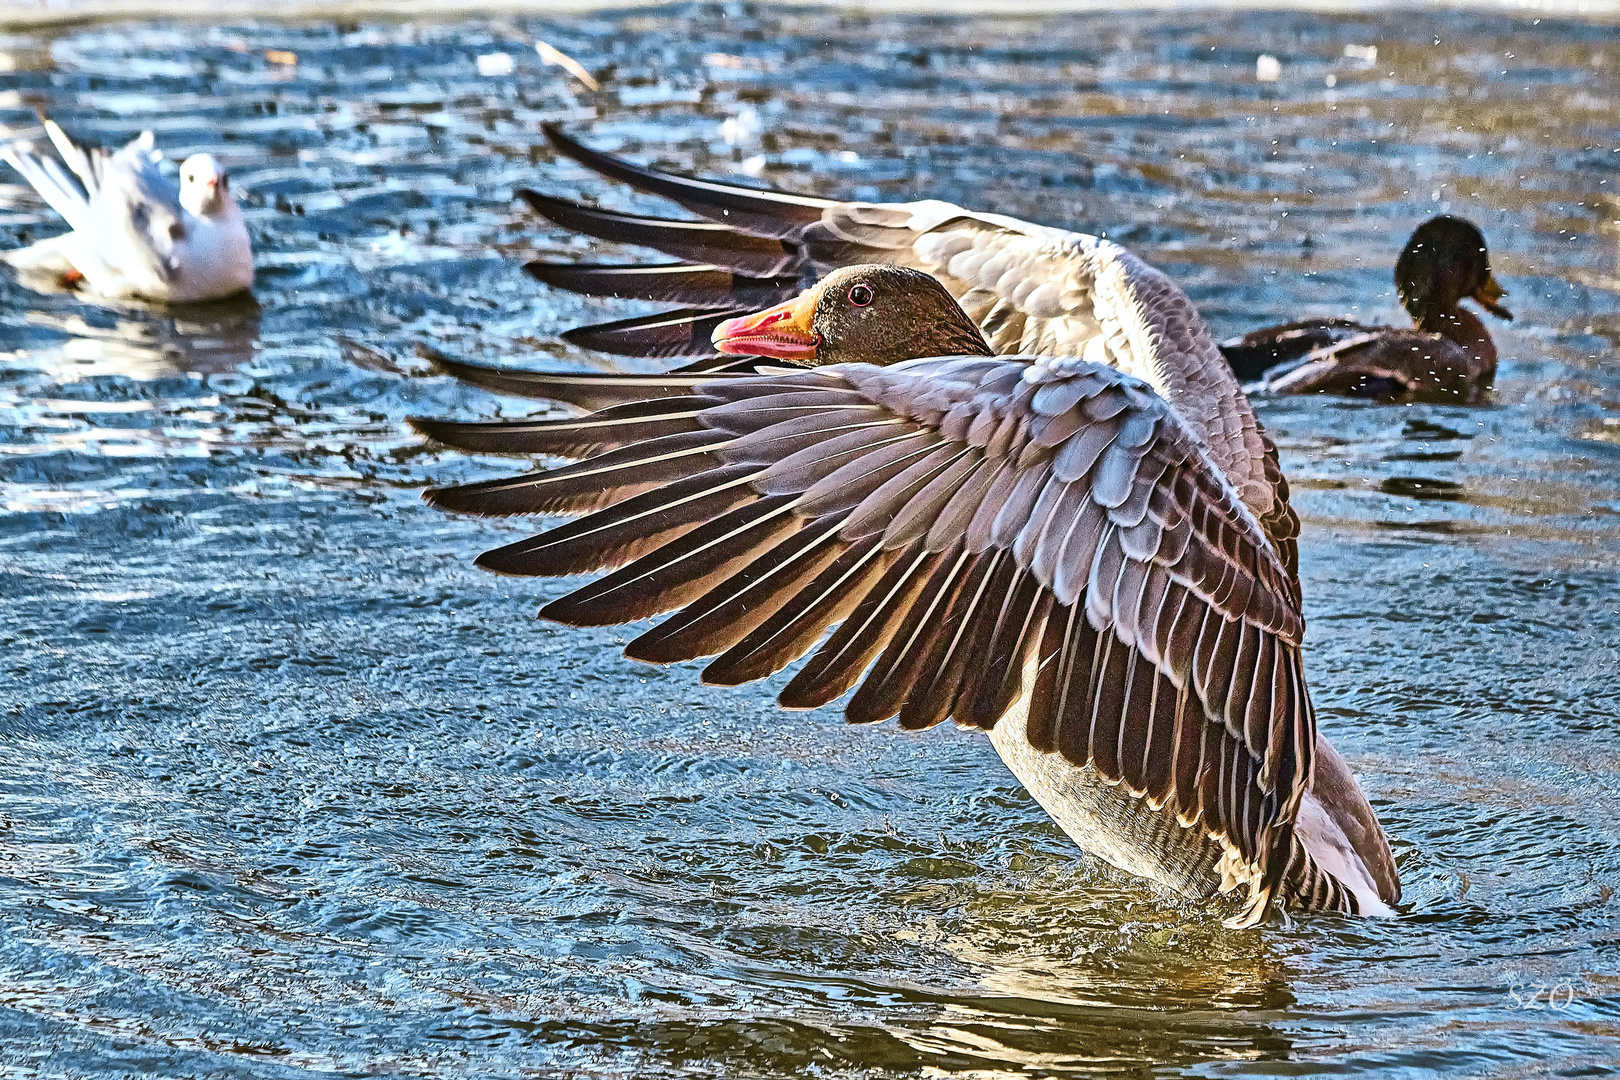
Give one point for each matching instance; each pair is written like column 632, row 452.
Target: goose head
column 871, row 314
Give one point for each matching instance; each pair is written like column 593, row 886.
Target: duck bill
column 1487, row 296
column 782, row 332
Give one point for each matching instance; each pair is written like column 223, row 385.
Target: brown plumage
column 1447, row 355
column 1044, row 547
column 871, row 314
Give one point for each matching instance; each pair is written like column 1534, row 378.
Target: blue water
column 288, row 789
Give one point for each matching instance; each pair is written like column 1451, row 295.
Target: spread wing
column 1032, row 290
column 121, row 203
column 139, row 209
column 975, row 532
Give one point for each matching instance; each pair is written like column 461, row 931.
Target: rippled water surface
column 288, row 789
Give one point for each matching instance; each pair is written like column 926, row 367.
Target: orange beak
column 782, row 332
column 1487, row 296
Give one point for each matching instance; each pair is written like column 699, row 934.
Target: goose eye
column 860, row 295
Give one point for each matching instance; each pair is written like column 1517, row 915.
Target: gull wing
column 126, row 211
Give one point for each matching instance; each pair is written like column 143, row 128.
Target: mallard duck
column 1083, row 548
column 134, row 233
column 1448, row 355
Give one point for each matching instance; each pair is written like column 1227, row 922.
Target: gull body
column 134, row 233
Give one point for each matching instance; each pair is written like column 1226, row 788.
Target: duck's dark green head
column 1444, row 262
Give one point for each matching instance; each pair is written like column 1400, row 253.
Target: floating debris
column 1267, row 68
column 550, row 55
column 493, row 65
column 281, row 56
column 1366, row 54
column 742, row 129
column 733, row 62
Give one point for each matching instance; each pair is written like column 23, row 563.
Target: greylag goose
column 1047, row 512
column 1447, row 355
column 134, row 233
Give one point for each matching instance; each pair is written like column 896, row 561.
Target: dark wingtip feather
column 509, row 496
column 430, row 428
column 567, row 611
column 694, row 284
column 586, row 390
column 765, row 212
column 560, row 140
column 520, row 437
column 685, row 332
column 505, row 562
column 556, row 275
column 500, row 380
column 717, row 243
column 535, row 557
column 596, row 160
column 451, row 499
column 547, row 206
column 679, row 572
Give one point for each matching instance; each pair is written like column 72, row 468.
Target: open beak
column 1487, row 296
column 782, row 332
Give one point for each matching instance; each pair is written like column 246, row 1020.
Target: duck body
column 1067, row 531
column 135, row 233
column 1447, row 355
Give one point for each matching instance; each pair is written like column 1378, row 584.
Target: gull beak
column 782, row 332
column 1487, row 296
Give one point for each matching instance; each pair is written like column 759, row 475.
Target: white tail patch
column 1327, row 844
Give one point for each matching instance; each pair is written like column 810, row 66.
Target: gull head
column 204, row 189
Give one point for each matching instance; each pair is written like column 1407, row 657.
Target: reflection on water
column 143, row 344
column 289, row 789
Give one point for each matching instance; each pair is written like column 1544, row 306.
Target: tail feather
column 59, row 190
column 82, row 164
column 778, row 214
